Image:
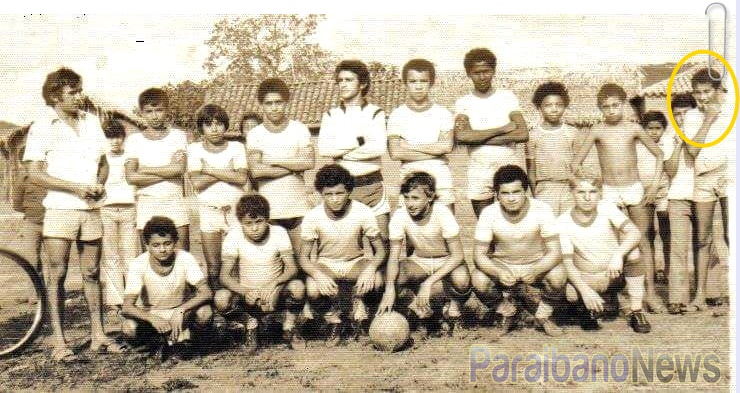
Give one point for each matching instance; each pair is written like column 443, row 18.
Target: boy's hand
column 366, row 281
column 176, row 323
column 592, row 300
column 711, row 112
column 505, row 276
column 615, row 265
column 264, row 296
column 327, row 285
column 178, row 156
column 386, row 304
column 462, row 122
column 422, row 297
column 160, row 324
column 204, row 167
column 651, row 192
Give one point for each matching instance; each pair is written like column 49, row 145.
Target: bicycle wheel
column 22, row 303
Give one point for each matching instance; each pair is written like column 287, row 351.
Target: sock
column 289, row 322
column 636, row 290
column 544, row 311
column 252, row 323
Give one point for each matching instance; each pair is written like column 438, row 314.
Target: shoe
column 550, row 328
column 676, row 308
column 219, row 325
column 250, row 341
column 293, row 339
column 655, row 305
column 358, row 330
column 639, row 322
column 589, row 321
column 334, row 338
column 449, row 326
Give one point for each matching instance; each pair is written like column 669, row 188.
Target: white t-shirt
column 287, row 194
column 233, row 157
column 155, row 153
column 258, row 263
column 552, row 151
column 682, row 184
column 423, row 128
column 592, row 244
column 340, row 239
column 428, row 239
column 163, row 292
column 117, row 189
column 491, row 112
column 68, row 155
column 712, row 157
column 521, row 242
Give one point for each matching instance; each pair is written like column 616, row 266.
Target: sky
column 115, row 67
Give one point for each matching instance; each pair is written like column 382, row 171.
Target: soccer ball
column 389, row 331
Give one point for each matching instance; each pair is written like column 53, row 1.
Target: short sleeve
column 131, row 147
column 282, row 240
column 304, row 136
column 394, row 123
column 484, row 226
column 446, row 121
column 230, row 246
column 396, row 229
column 253, row 140
column 193, row 274
column 566, row 245
column 240, row 156
column 460, row 107
column 36, row 144
column 612, row 212
column 548, row 226
column 369, row 224
column 134, row 278
column 194, row 163
column 309, row 227
column 450, row 227
column 512, row 102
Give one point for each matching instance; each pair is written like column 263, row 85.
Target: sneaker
column 358, row 330
column 550, row 328
column 639, row 322
column 589, row 321
column 219, row 325
column 676, row 308
column 334, row 338
column 250, row 341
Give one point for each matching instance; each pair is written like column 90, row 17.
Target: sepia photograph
column 323, row 202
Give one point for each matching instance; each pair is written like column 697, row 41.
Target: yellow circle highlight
column 670, row 87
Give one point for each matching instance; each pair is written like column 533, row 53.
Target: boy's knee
column 203, row 315
column 296, row 289
column 481, row 282
column 222, row 299
column 460, row 278
column 556, row 278
column 312, row 290
column 90, row 272
column 129, row 327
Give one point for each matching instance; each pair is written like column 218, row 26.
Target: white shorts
column 339, row 268
column 167, row 313
column 624, row 196
column 71, row 224
column 480, row 181
column 173, row 208
column 712, row 185
column 518, row 271
column 428, row 265
column 216, row 219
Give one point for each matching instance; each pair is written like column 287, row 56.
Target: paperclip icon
column 724, row 42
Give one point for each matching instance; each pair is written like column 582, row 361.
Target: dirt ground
column 440, row 364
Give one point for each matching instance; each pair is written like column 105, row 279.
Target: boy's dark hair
column 638, row 105
column 161, row 226
column 273, row 85
column 420, row 65
column 509, row 174
column 683, row 100
column 252, row 206
column 702, row 77
column 610, row 90
column 249, row 116
column 478, row 55
column 56, row 81
column 332, row 175
column 358, row 68
column 653, row 116
column 153, row 96
column 210, row 112
column 550, row 89
column 114, row 129
column 419, row 179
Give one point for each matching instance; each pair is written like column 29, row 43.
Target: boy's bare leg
column 641, row 216
column 212, row 255
column 183, row 237
column 90, row 271
column 704, row 218
column 57, row 251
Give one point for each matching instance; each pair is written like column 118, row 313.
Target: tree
column 380, row 71
column 185, row 99
column 250, row 49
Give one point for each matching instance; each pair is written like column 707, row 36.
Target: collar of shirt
column 343, row 107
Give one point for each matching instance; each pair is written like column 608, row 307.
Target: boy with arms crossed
column 436, row 266
column 155, row 164
column 66, row 150
column 279, row 151
column 218, row 171
column 526, row 257
column 599, row 242
column 156, row 301
column 490, row 122
column 550, row 148
column 337, row 227
column 353, row 134
column 267, row 272
column 420, row 131
column 615, row 141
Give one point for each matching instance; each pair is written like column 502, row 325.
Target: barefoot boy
column 435, row 270
column 267, row 269
column 615, row 141
column 599, row 242
column 337, row 227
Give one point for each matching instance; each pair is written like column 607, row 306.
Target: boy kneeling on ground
column 155, row 300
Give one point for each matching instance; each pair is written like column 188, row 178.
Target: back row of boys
column 143, row 182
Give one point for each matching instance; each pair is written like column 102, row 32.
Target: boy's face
column 154, row 114
column 335, row 198
column 418, row 84
column 254, row 228
column 613, row 109
column 481, row 73
column 679, row 113
column 214, row 131
column 512, row 196
column 586, row 196
column 70, row 99
column 552, row 108
column 162, row 248
column 349, row 85
column 704, row 94
column 654, row 129
column 116, row 145
column 273, row 106
column 417, row 202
